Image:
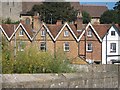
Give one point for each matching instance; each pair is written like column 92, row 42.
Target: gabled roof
column 94, row 30
column 102, row 29
column 54, row 29
column 25, row 29
column 8, row 29
column 28, row 29
column 93, row 10
column 47, row 29
column 68, row 26
column 77, row 32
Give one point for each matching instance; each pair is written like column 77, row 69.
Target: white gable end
column 111, row 46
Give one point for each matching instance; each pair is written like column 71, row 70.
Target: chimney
column 22, row 21
column 79, row 21
column 59, row 22
column 36, row 22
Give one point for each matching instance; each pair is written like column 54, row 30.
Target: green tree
column 86, row 17
column 108, row 17
column 9, row 21
column 52, row 11
column 117, row 9
column 117, row 6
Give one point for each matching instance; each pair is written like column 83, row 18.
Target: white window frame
column 111, row 33
column 42, row 33
column 91, row 46
column 42, row 46
column 21, row 33
column 112, row 47
column 68, row 46
column 89, row 33
column 66, row 33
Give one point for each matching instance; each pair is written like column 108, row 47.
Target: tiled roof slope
column 94, row 10
column 102, row 29
column 9, row 28
column 54, row 29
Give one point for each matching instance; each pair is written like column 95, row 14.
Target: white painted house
column 111, row 45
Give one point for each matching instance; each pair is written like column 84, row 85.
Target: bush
column 34, row 61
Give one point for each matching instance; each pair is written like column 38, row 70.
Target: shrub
column 34, row 61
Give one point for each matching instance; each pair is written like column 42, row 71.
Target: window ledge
column 89, row 50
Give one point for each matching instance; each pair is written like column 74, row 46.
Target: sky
column 110, row 5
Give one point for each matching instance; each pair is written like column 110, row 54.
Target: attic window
column 89, row 34
column 21, row 33
column 112, row 33
column 42, row 33
column 66, row 33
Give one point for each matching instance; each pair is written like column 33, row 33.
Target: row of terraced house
column 98, row 43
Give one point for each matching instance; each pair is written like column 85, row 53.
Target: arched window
column 27, row 21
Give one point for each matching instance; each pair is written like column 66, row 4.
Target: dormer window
column 112, row 33
column 42, row 33
column 89, row 34
column 21, row 33
column 66, row 33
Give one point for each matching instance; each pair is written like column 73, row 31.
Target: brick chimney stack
column 79, row 21
column 36, row 21
column 59, row 22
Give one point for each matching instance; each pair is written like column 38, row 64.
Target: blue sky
column 110, row 5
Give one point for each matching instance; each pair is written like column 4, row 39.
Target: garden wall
column 87, row 76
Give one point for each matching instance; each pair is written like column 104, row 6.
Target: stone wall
column 87, row 76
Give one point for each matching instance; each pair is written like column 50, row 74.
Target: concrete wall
column 87, row 76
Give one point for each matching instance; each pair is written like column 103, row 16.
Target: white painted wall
column 111, row 39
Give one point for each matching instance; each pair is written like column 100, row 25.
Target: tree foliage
column 52, row 11
column 86, row 17
column 9, row 21
column 117, row 6
column 111, row 15
column 108, row 17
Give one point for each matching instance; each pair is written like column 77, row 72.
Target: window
column 42, row 33
column 89, row 47
column 42, row 46
column 112, row 33
column 13, row 4
column 66, row 33
column 21, row 46
column 113, row 47
column 21, row 33
column 89, row 34
column 66, row 46
column 27, row 21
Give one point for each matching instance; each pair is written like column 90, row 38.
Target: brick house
column 90, row 45
column 19, row 36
